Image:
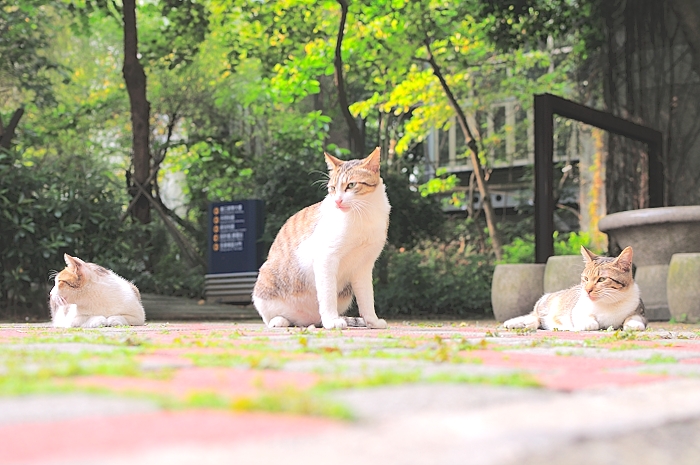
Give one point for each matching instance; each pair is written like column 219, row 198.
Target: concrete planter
column 515, row 289
column 683, row 287
column 562, row 272
column 655, row 234
column 651, row 280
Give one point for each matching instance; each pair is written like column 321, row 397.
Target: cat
column 607, row 297
column 90, row 296
column 325, row 253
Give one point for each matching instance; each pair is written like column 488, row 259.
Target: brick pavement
column 452, row 392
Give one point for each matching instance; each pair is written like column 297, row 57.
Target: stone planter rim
column 649, row 216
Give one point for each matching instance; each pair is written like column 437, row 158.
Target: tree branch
column 688, row 15
column 188, row 251
column 357, row 142
column 8, row 133
column 476, row 163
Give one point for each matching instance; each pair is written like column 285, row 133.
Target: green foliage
column 152, row 261
column 24, row 35
column 522, row 249
column 288, row 182
column 179, row 26
column 413, row 216
column 517, row 23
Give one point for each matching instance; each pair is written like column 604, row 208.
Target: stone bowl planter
column 683, row 287
column 515, row 289
column 562, row 272
column 655, row 234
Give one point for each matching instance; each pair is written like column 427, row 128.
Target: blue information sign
column 235, row 229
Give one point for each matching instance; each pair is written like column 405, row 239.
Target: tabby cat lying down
column 607, row 297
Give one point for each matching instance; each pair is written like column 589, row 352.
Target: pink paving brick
column 574, row 380
column 547, row 362
column 568, row 373
column 95, row 438
column 229, row 382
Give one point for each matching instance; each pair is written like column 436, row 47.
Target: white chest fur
column 347, row 240
column 606, row 313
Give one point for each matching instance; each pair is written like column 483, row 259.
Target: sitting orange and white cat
column 90, row 296
column 325, row 253
column 606, row 297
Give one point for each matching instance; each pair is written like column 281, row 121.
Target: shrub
column 435, row 279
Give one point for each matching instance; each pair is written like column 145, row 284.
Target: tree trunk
column 664, row 95
column 489, row 212
column 135, row 78
column 688, row 15
column 8, row 133
column 357, row 140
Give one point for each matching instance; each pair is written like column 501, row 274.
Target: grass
column 393, row 378
column 30, row 371
column 659, row 358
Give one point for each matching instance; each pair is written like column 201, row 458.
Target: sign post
column 235, row 249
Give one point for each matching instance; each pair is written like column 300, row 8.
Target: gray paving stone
column 56, row 407
column 372, row 366
column 640, row 355
column 387, row 402
column 63, row 347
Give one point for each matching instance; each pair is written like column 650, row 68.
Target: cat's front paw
column 95, row 322
column 116, row 320
column 634, row 325
column 278, row 322
column 588, row 325
column 335, row 323
column 376, row 324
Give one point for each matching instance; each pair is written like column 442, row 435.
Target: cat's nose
column 339, row 202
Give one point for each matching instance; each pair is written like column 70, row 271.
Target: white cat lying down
column 90, row 296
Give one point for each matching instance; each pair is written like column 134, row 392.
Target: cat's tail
column 354, row 322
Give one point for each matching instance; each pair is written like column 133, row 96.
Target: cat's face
column 605, row 278
column 350, row 181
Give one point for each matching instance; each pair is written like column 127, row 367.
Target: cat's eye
column 351, row 185
column 331, row 188
column 602, row 279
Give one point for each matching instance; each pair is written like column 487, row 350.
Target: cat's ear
column 624, row 260
column 372, row 161
column 588, row 256
column 332, row 162
column 78, row 266
column 75, row 262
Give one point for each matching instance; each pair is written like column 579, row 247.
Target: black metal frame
column 546, row 106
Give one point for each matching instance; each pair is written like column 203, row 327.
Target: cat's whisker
column 361, row 208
